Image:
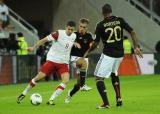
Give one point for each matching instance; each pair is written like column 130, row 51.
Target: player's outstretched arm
column 39, row 43
column 137, row 50
column 93, row 45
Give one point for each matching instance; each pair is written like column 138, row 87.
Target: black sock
column 102, row 91
column 75, row 89
column 116, row 84
column 82, row 78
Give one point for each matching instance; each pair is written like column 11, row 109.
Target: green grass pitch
column 141, row 95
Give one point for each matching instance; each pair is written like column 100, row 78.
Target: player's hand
column 31, row 49
column 77, row 45
column 138, row 52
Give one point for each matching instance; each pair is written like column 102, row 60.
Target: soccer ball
column 36, row 99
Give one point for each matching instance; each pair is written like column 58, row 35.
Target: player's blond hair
column 84, row 20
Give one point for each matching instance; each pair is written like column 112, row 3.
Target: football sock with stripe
column 31, row 84
column 116, row 84
column 58, row 91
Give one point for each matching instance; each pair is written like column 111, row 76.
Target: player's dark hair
column 106, row 9
column 84, row 20
column 71, row 23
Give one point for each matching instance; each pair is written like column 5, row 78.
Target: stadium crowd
column 11, row 43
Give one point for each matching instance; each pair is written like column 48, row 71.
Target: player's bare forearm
column 93, row 45
column 86, row 53
column 40, row 42
column 137, row 50
column 134, row 39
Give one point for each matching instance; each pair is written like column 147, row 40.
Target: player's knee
column 82, row 64
column 99, row 79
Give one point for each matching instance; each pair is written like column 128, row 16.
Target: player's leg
column 116, row 81
column 83, row 75
column 102, row 91
column 31, row 84
column 74, row 90
column 103, row 70
column 46, row 68
column 64, row 72
column 82, row 65
column 116, row 85
column 76, row 87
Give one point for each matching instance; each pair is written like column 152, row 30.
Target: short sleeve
column 53, row 36
column 126, row 26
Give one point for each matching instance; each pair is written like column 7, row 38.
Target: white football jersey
column 61, row 48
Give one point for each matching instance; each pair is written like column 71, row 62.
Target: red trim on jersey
column 60, row 87
column 55, row 35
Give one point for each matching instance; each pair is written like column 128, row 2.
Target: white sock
column 58, row 91
column 31, row 84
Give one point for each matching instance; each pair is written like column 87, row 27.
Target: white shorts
column 106, row 65
column 73, row 62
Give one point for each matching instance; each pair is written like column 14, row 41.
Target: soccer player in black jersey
column 78, row 57
column 110, row 31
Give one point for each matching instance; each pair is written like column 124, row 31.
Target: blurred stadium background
column 36, row 19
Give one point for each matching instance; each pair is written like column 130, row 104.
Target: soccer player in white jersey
column 57, row 59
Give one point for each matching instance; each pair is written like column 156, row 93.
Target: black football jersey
column 110, row 31
column 84, row 40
